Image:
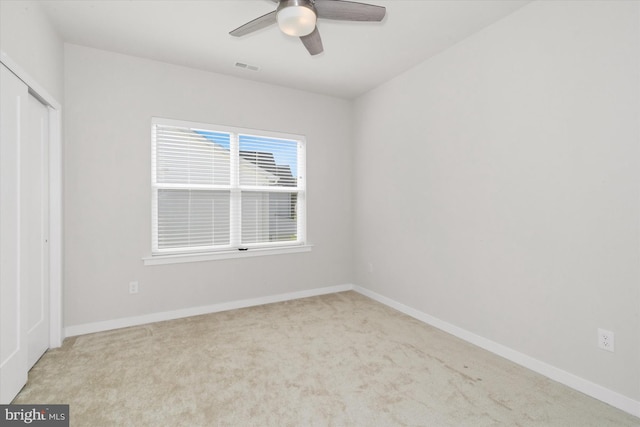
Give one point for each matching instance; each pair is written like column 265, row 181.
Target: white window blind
column 220, row 188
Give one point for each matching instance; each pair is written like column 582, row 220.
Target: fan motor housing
column 304, row 3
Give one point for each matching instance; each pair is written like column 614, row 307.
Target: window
column 217, row 188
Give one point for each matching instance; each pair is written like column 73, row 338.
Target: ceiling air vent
column 247, row 66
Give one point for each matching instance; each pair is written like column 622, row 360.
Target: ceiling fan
column 298, row 18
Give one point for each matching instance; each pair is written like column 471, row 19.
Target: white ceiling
column 356, row 58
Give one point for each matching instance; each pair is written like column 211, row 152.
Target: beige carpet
column 333, row 360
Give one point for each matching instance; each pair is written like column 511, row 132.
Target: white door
column 34, row 192
column 13, row 312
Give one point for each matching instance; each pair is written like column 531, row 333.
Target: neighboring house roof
column 266, row 161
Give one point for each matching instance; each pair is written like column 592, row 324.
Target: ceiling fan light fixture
column 297, row 20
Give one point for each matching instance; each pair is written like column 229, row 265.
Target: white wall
column 110, row 99
column 497, row 187
column 28, row 38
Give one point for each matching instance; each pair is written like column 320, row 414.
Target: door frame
column 56, row 331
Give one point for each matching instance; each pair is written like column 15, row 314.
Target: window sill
column 213, row 256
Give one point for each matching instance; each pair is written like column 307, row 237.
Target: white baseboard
column 107, row 325
column 589, row 388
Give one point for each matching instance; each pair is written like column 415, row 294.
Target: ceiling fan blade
column 255, row 25
column 313, row 42
column 349, row 11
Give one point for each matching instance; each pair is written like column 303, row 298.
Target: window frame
column 235, row 248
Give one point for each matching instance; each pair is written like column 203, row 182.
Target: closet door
column 13, row 311
column 34, row 190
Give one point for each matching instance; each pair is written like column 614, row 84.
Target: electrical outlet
column 133, row 287
column 370, row 267
column 605, row 339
